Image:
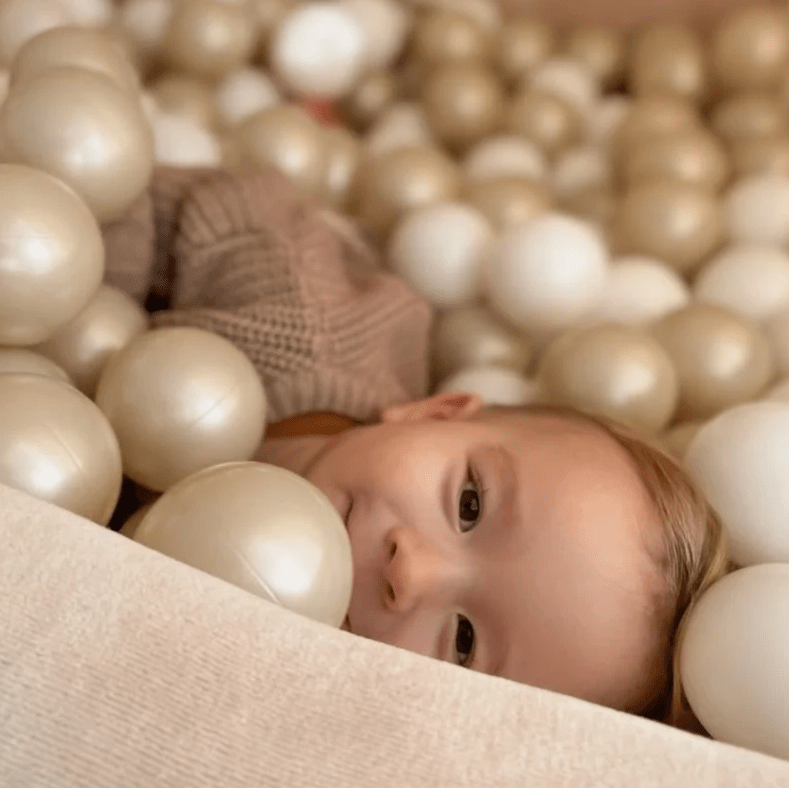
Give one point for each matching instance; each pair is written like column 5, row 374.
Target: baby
column 536, row 544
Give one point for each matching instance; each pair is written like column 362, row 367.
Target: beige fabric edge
column 120, row 668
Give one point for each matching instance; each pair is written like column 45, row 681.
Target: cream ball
column 779, row 392
column 641, row 290
column 579, row 169
column 144, row 24
column 319, row 49
column 740, row 461
column 505, row 156
column 243, row 93
column 494, row 385
column 386, row 25
column 21, row 361
column 180, row 141
column 677, row 439
column 91, row 13
column 22, row 20
column 749, row 279
column 602, row 122
column 549, row 273
column 757, row 209
column 570, row 80
column 440, row 250
column 403, row 125
column 776, row 329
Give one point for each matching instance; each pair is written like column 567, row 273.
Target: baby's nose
column 416, row 570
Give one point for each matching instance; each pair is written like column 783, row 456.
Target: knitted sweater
column 296, row 289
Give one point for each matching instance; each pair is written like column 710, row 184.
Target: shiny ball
column 244, row 93
column 600, row 49
column 403, row 125
column 446, row 35
column 375, row 93
column 761, row 155
column 776, row 329
column 749, row 116
column 21, row 20
column 505, row 156
column 180, row 141
column 20, row 361
column 757, row 209
column 569, row 80
column 508, row 201
column 177, row 94
column 343, row 159
column 545, row 119
column 523, row 45
column 677, row 440
column 386, row 25
column 495, row 385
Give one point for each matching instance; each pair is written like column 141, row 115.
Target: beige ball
column 505, row 156
column 82, row 128
column 209, row 39
column 601, row 51
column 757, row 209
column 372, row 96
column 106, row 325
column 386, row 25
column 602, row 123
column 677, row 440
column 343, row 159
column 21, row 20
column 544, row 118
column 78, row 47
column 261, row 528
column 523, row 45
column 761, row 155
column 508, row 201
column 613, row 371
column 569, row 79
column 721, row 358
column 472, row 337
column 244, row 93
column 56, row 445
column 180, row 400
column 129, row 528
column 287, row 138
column 733, row 657
column 403, row 180
column 178, row 94
column 750, row 116
column 446, row 35
column 180, row 141
column 750, row 280
column 18, row 361
column 51, row 255
column 578, row 169
column 776, row 330
column 91, row 13
column 144, row 24
column 740, row 462
column 648, row 116
column 779, row 392
column 493, row 384
column 403, row 125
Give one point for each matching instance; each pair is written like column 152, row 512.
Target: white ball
column 403, row 125
column 641, row 290
column 180, row 141
column 439, row 250
column 604, row 119
column 243, row 93
column 757, row 209
column 741, row 461
column 579, row 169
column 749, row 279
column 570, row 80
column 319, row 49
column 549, row 273
column 90, row 13
column 505, row 156
column 734, row 657
column 386, row 24
column 776, row 330
column 21, row 20
column 495, row 385
column 779, row 392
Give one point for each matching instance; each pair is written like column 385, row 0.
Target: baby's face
column 516, row 545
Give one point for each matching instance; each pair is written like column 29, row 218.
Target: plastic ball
column 401, row 181
column 524, row 44
column 602, row 123
column 372, row 96
column 439, row 250
column 343, row 159
column 180, row 400
column 104, row 154
column 51, row 255
column 748, row 279
column 508, row 201
column 287, row 138
column 547, row 274
column 721, row 358
column 601, row 51
column 208, row 39
column 180, row 141
column 319, row 49
column 106, row 325
column 244, row 93
column 91, row 13
column 779, row 392
column 739, row 460
column 495, row 385
column 129, row 528
column 77, row 47
column 776, row 329
column 613, row 371
column 757, row 210
column 761, row 155
column 177, row 94
column 268, row 15
column 568, row 79
column 144, row 24
column 545, row 119
column 19, row 361
column 733, row 657
column 641, row 290
column 677, row 440
column 578, row 169
column 445, row 35
column 652, row 115
column 386, row 25
column 748, row 116
column 261, row 528
column 503, row 156
column 21, row 20
column 403, row 125
column 56, row 445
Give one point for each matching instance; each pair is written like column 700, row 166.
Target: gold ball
column 750, row 115
column 178, row 94
column 79, row 47
column 289, row 139
column 446, row 36
column 721, row 358
column 507, row 201
column 463, row 104
column 669, row 60
column 52, row 260
column 343, row 157
column 613, row 371
column 601, row 50
column 397, row 182
column 17, row 361
column 209, row 38
column 544, row 119
column 56, row 445
column 758, row 155
column 107, row 324
column 750, row 50
column 82, row 128
column 180, row 400
column 678, row 223
column 696, row 157
column 522, row 46
column 375, row 93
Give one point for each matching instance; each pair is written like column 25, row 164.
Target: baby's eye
column 470, row 508
column 464, row 642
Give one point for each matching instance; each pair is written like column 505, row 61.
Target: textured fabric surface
column 120, row 668
column 297, row 290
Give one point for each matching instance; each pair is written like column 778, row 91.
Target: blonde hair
column 694, row 544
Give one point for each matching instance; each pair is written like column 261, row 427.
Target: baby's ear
column 448, row 405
